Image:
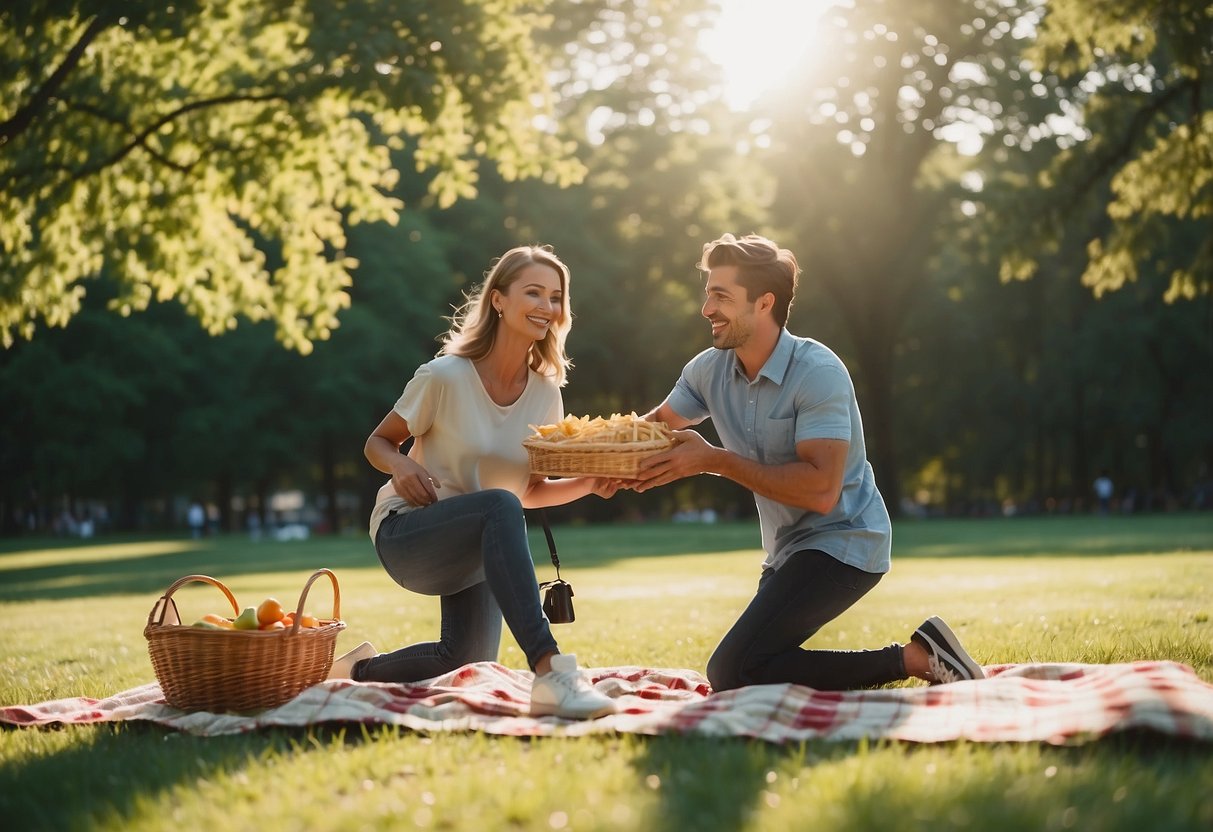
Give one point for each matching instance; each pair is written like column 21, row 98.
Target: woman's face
column 533, row 303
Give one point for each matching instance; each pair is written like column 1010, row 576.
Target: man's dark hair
column 762, row 267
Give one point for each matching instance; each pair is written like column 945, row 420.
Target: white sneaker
column 565, row 692
column 344, row 666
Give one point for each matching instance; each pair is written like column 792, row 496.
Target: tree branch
column 22, row 119
column 141, row 139
column 201, row 104
column 1129, row 138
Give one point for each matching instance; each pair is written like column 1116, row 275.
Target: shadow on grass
column 111, row 773
column 1074, row 536
column 109, row 770
column 727, row 784
column 77, row 570
column 704, row 784
column 155, row 570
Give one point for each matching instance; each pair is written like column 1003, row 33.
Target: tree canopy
column 216, row 152
column 1137, row 76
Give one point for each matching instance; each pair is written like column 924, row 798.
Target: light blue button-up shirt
column 802, row 392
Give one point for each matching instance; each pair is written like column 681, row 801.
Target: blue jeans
column 472, row 551
column 792, row 603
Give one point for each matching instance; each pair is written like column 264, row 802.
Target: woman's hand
column 605, row 487
column 413, row 483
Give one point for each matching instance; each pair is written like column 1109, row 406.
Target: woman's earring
column 499, row 313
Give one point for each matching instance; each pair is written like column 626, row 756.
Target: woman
column 450, row 521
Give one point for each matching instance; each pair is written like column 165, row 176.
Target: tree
column 1138, row 78
column 863, row 151
column 216, row 152
column 85, row 413
column 663, row 177
column 403, row 286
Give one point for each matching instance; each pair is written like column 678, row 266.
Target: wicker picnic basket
column 238, row 670
column 590, row 459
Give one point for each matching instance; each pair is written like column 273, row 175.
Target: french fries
column 617, row 430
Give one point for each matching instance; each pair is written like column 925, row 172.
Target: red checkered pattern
column 1055, row 703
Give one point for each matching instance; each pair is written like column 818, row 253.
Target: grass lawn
column 1045, row 589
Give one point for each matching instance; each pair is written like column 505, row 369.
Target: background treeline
column 1011, row 332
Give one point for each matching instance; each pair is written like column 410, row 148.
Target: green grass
column 1048, row 589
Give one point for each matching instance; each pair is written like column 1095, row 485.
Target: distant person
column 450, row 520
column 253, row 522
column 788, row 419
column 87, row 525
column 1103, row 491
column 196, row 517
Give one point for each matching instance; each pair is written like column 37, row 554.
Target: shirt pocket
column 778, row 441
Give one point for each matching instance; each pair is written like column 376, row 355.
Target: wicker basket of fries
column 578, row 446
column 220, row 668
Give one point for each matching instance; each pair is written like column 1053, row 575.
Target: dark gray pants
column 792, row 603
column 472, row 551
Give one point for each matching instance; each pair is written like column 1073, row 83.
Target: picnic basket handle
column 166, row 598
column 303, row 597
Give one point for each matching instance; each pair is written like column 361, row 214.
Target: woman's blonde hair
column 474, row 324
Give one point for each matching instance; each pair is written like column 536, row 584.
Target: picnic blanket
column 1053, row 703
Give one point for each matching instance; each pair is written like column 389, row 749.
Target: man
column 787, row 416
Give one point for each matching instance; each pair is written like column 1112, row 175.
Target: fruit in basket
column 247, row 620
column 306, row 620
column 269, row 611
column 218, row 620
column 203, row 624
column 273, row 625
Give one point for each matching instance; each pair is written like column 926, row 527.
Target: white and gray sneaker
column 343, row 666
column 945, row 656
column 565, row 692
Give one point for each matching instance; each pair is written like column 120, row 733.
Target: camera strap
column 547, row 532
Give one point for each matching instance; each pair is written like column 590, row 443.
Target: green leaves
column 1141, row 72
column 215, row 153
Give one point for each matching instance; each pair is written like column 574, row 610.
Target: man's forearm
column 799, row 484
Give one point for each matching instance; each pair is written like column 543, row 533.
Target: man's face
column 731, row 314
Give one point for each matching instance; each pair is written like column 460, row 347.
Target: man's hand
column 691, row 455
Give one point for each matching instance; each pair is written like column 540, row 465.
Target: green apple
column 203, row 624
column 247, row 620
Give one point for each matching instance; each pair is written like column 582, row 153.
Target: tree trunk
column 262, row 487
column 223, row 496
column 328, row 475
column 1079, row 464
column 876, row 406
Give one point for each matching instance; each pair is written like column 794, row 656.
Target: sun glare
column 757, row 42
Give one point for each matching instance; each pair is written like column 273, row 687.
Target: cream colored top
column 464, row 439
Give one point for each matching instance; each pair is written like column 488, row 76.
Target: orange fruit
column 288, row 620
column 273, row 625
column 218, row 620
column 269, row 611
column 306, row 620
